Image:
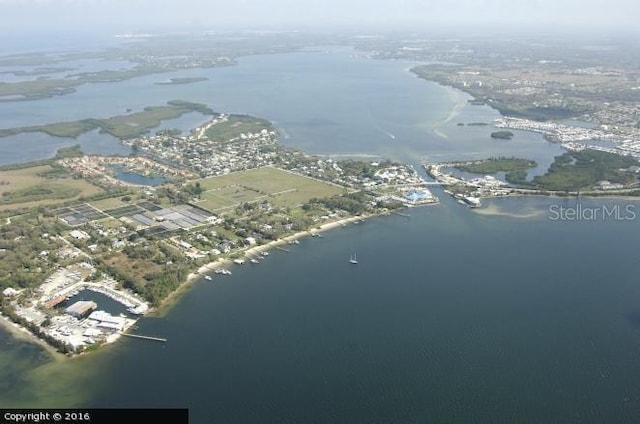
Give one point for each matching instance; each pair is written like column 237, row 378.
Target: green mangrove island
column 178, row 81
column 515, row 169
column 506, row 135
column 586, row 169
column 121, row 126
column 573, row 171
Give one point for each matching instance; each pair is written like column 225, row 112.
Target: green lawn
column 280, row 187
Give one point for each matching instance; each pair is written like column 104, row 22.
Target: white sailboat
column 353, row 259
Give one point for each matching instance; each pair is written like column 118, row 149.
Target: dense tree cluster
column 575, row 170
column 28, row 251
column 355, row 203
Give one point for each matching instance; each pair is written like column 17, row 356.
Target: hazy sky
column 140, row 15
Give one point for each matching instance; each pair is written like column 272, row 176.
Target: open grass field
column 227, row 197
column 111, row 223
column 110, row 203
column 279, row 187
column 28, row 187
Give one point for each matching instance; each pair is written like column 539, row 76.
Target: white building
column 79, row 235
column 106, row 320
column 8, row 292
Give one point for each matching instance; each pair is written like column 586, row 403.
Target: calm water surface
column 323, row 102
column 450, row 315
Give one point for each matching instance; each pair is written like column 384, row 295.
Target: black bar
column 93, row 416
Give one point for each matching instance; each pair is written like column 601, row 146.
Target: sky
column 146, row 15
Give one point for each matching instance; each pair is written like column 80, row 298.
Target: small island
column 121, row 126
column 506, row 135
column 515, row 169
column 178, row 81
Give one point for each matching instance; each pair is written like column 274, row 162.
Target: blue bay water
column 328, row 101
column 497, row 315
column 449, row 316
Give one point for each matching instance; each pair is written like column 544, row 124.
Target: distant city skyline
column 141, row 15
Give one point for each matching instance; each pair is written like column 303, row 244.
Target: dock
column 138, row 336
column 406, row 215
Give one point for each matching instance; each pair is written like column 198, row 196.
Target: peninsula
column 587, row 172
column 229, row 192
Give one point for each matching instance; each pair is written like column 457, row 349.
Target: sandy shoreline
column 248, row 253
column 257, row 250
column 22, row 333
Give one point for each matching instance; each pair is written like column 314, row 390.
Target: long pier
column 138, row 336
column 406, row 215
